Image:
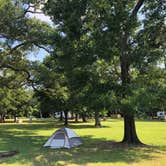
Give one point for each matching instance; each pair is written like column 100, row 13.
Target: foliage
column 17, row 102
column 19, row 34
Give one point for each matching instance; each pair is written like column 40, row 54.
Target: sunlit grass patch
column 99, row 144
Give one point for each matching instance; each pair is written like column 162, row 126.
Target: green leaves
column 100, row 53
column 15, row 102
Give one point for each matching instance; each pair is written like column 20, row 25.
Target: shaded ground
column 8, row 154
column 99, row 145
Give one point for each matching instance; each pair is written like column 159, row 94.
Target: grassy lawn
column 97, row 149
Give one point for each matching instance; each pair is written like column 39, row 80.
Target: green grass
column 97, row 150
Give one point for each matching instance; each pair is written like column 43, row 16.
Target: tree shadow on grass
column 98, row 150
column 23, row 138
column 93, row 150
column 86, row 126
column 45, row 126
column 31, row 126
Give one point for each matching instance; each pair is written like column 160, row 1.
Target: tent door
column 59, row 140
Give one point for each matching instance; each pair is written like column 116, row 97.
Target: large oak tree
column 129, row 30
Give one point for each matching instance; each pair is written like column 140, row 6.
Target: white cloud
column 39, row 15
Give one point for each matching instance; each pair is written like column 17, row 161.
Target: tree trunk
column 15, row 118
column 61, row 116
column 41, row 116
column 66, row 118
column 83, row 117
column 72, row 115
column 97, row 120
column 76, row 117
column 130, row 135
column 165, row 61
column 2, row 118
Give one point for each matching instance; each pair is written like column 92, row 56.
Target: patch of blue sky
column 37, row 55
column 41, row 53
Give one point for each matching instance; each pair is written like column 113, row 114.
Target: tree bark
column 2, row 118
column 72, row 115
column 15, row 118
column 83, row 117
column 165, row 61
column 97, row 120
column 76, row 117
column 66, row 118
column 41, row 116
column 130, row 135
column 61, row 116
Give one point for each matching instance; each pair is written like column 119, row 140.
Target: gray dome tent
column 63, row 138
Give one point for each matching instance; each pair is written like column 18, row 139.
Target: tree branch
column 18, row 70
column 18, row 46
column 42, row 47
column 22, row 83
column 136, row 8
column 27, row 42
column 34, row 12
column 27, row 10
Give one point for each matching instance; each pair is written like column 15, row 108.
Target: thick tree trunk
column 83, row 117
column 66, row 118
column 97, row 120
column 130, row 135
column 76, row 117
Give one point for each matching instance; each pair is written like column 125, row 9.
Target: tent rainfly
column 63, row 138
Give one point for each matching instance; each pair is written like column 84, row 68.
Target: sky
column 39, row 55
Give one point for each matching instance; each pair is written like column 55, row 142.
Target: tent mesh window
column 59, row 136
column 75, row 141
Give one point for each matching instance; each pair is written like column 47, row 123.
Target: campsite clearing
column 98, row 148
